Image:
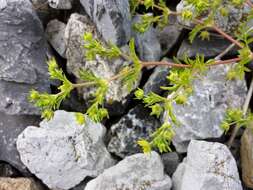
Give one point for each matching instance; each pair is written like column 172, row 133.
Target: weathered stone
column 62, row 152
column 75, row 54
column 136, row 125
column 170, row 161
column 205, row 109
column 55, row 32
column 23, row 51
column 169, row 35
column 247, row 157
column 228, row 23
column 3, row 4
column 208, row 166
column 147, row 44
column 157, row 79
column 60, row 4
column 112, row 18
column 10, row 127
column 209, row 48
column 135, row 172
column 19, row 184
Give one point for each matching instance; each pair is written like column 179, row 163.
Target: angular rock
column 209, row 48
column 3, row 4
column 19, row 184
column 23, row 52
column 247, row 157
column 10, row 127
column 147, row 44
column 112, row 18
column 136, row 125
column 205, row 109
column 227, row 23
column 62, row 152
column 169, row 35
column 55, row 32
column 170, row 161
column 208, row 166
column 135, row 172
column 60, row 4
column 75, row 53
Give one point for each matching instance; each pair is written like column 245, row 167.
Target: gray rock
column 75, row 53
column 23, row 51
column 136, row 125
column 170, row 161
column 55, row 32
column 204, row 111
column 147, row 44
column 135, row 172
column 209, row 48
column 157, row 79
column 169, row 35
column 208, row 166
column 227, row 23
column 62, row 152
column 112, row 18
column 60, row 4
column 3, row 4
column 10, row 127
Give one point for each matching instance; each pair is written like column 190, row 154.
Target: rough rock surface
column 135, row 125
column 135, row 172
column 62, row 153
column 10, row 128
column 147, row 43
column 19, row 184
column 227, row 23
column 23, row 51
column 75, row 52
column 247, row 157
column 112, row 18
column 209, row 48
column 60, row 4
column 55, row 32
column 208, row 166
column 204, row 111
column 170, row 161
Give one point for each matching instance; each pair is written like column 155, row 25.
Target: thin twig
column 230, row 47
column 249, row 3
column 245, row 109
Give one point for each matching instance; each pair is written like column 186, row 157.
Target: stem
column 230, row 47
column 245, row 108
column 249, row 3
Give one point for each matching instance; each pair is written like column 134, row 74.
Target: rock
column 170, row 161
column 62, row 153
column 227, row 23
column 23, row 51
column 169, row 35
column 247, row 157
column 208, row 166
column 3, row 4
column 81, row 185
column 112, row 18
column 55, row 34
column 157, row 79
column 135, row 125
column 10, row 127
column 19, row 184
column 6, row 170
column 135, row 172
column 60, row 4
column 209, row 48
column 205, row 109
column 147, row 44
column 75, row 53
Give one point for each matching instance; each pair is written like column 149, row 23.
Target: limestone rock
column 19, row 184
column 205, row 109
column 112, row 18
column 62, row 153
column 170, row 161
column 135, row 125
column 208, row 166
column 23, row 52
column 135, row 172
column 60, row 4
column 55, row 34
